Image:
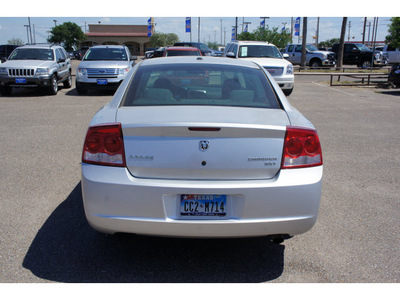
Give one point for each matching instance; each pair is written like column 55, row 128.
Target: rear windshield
column 105, row 54
column 30, row 53
column 182, row 53
column 200, row 84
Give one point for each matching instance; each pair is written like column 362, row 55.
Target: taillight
column 301, row 148
column 104, row 145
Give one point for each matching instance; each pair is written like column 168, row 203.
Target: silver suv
column 103, row 67
column 36, row 66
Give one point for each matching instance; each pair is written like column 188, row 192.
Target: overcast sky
column 215, row 18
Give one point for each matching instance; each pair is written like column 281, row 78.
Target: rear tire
column 287, row 92
column 68, row 82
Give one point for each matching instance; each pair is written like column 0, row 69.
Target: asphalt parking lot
column 44, row 236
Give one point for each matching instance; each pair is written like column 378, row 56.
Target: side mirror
column 61, row 60
column 231, row 55
column 285, row 55
column 3, row 59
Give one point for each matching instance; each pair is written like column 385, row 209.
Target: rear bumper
column 114, row 201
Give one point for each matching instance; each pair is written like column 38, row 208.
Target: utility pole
column 376, row 31
column 224, row 36
column 348, row 37
column 198, row 37
column 369, row 32
column 236, row 27
column 30, row 29
column 221, row 32
column 341, row 44
column 317, row 35
column 365, row 25
column 27, row 32
column 304, row 44
column 34, row 34
column 291, row 29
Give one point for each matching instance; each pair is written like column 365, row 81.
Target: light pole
column 27, row 32
column 264, row 20
column 55, row 23
column 245, row 24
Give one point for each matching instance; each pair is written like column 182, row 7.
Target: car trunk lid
column 203, row 143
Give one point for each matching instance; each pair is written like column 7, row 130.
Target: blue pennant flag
column 188, row 24
column 297, row 27
column 149, row 28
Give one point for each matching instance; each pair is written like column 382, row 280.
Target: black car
column 360, row 55
column 80, row 53
column 5, row 51
column 205, row 51
column 394, row 75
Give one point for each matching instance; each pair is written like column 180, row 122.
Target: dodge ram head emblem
column 204, row 145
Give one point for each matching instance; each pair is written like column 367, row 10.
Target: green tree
column 15, row 41
column 329, row 43
column 394, row 33
column 68, row 33
column 274, row 36
column 163, row 39
column 212, row 45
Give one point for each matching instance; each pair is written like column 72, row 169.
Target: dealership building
column 135, row 37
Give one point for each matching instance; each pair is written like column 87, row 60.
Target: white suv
column 266, row 55
column 36, row 66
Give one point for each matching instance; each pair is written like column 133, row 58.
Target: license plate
column 102, row 81
column 203, row 205
column 20, row 80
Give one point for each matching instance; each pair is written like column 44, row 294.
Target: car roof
column 40, row 46
column 107, row 46
column 183, row 48
column 198, row 60
column 253, row 43
column 192, row 43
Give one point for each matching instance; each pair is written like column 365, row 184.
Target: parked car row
column 105, row 67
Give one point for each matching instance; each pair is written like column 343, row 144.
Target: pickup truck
column 360, row 55
column 314, row 57
column 392, row 54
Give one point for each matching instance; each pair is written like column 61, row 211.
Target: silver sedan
column 201, row 147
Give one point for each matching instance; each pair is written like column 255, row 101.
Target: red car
column 182, row 51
